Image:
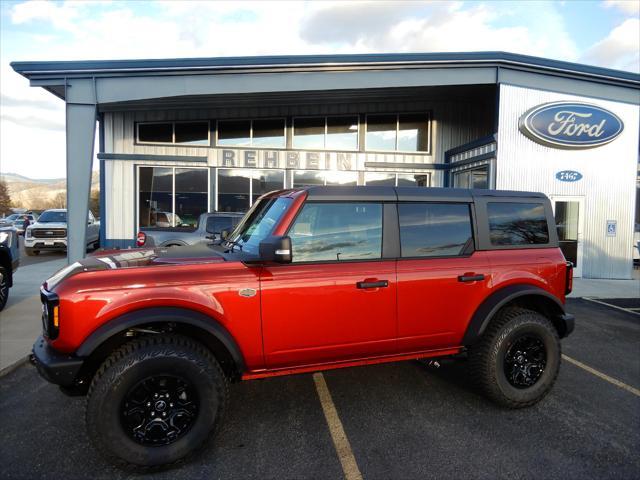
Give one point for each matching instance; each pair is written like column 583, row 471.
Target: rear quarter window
column 514, row 223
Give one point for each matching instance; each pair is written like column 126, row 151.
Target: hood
column 49, row 225
column 138, row 258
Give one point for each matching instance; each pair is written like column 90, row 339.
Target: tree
column 5, row 199
column 59, row 201
column 94, row 202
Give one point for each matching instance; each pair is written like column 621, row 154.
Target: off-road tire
column 134, row 361
column 4, row 287
column 486, row 358
column 31, row 252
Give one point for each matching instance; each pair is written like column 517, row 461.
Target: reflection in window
column 337, row 232
column 341, row 178
column 381, row 132
column 434, row 229
column 414, row 180
column 517, row 223
column 233, row 190
column 239, row 188
column 308, row 133
column 162, row 206
column 306, row 178
column 234, row 133
column 265, row 181
column 401, row 132
column 380, row 179
column 342, row 133
column 471, row 178
column 268, row 133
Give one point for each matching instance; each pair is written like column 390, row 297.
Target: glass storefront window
column 413, row 133
column 381, row 132
column 192, row 133
column 155, row 132
column 304, row 178
column 268, row 133
column 341, row 178
column 308, row 133
column 191, row 195
column 477, row 178
column 265, row 181
column 160, row 205
column 342, row 133
column 234, row 133
column 233, row 190
column 380, row 179
column 414, row 180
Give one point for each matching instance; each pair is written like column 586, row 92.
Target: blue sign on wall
column 570, row 125
column 568, row 176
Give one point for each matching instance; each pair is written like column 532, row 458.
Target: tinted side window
column 337, row 232
column 434, row 229
column 517, row 223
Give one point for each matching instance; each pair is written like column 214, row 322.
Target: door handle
column 470, row 278
column 376, row 284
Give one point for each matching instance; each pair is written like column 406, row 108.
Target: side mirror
column 276, row 250
column 224, row 234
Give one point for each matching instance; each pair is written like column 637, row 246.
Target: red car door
column 337, row 300
column 441, row 281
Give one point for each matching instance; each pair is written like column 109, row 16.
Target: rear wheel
column 4, row 287
column 155, row 401
column 517, row 360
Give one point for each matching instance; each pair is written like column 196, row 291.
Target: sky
column 32, row 141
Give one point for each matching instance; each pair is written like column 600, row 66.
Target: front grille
column 49, row 232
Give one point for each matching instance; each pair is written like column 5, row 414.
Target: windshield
column 12, row 217
column 53, row 217
column 258, row 224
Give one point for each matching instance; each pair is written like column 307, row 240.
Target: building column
column 81, row 129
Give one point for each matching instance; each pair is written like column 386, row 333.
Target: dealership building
column 180, row 137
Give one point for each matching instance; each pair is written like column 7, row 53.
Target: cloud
column 620, row 49
column 7, row 102
column 33, row 121
column 629, row 7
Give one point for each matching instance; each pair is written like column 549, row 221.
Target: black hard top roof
column 408, row 194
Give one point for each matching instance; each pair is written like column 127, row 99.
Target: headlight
column 4, row 238
column 28, row 233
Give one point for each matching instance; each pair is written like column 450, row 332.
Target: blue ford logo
column 570, row 125
column 568, row 176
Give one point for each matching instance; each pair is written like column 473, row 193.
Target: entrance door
column 569, row 214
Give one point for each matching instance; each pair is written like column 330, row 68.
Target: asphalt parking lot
column 402, row 421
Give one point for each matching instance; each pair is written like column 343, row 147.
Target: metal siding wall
column 608, row 183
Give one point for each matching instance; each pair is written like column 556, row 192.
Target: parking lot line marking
column 601, row 375
column 340, row 440
column 628, row 310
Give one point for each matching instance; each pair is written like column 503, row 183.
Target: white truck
column 50, row 232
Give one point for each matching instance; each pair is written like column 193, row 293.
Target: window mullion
column 173, row 198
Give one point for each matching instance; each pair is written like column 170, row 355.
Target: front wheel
column 155, row 401
column 517, row 360
column 31, row 252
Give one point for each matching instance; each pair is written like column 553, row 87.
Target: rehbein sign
column 570, row 125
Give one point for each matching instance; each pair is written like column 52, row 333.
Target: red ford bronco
column 310, row 279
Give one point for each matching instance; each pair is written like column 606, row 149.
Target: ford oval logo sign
column 570, row 125
column 568, row 176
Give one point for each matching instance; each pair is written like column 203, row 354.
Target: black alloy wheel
column 525, row 361
column 159, row 410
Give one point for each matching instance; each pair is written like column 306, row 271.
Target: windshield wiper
column 233, row 243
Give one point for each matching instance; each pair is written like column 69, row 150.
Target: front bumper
column 567, row 324
column 49, row 245
column 55, row 367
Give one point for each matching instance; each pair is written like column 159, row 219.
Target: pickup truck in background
column 209, row 229
column 49, row 232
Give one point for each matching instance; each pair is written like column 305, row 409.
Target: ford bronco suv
column 311, row 279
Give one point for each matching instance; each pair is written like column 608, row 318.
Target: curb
column 14, row 366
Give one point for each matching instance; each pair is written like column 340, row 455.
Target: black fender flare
column 5, row 261
column 162, row 315
column 493, row 303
